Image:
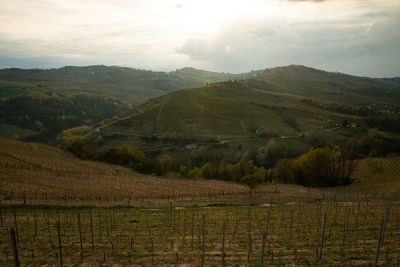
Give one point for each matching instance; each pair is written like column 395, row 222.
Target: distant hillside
column 39, row 104
column 328, row 86
column 41, row 117
column 131, row 85
column 280, row 102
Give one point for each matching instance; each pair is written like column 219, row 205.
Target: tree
column 255, row 179
column 165, row 164
column 318, row 167
column 76, row 146
column 194, row 173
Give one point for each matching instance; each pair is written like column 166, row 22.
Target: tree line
column 318, row 167
column 122, row 155
column 51, row 113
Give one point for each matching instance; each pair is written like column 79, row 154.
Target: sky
column 358, row 37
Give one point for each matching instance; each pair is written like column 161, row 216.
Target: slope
column 128, row 84
column 34, row 173
column 277, row 102
column 50, row 101
column 42, row 174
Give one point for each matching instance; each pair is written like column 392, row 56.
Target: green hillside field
column 297, row 104
column 49, row 101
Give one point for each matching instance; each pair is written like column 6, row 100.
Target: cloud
column 353, row 45
column 306, row 0
column 354, row 36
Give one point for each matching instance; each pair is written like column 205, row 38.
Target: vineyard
column 322, row 232
column 379, row 170
column 38, row 174
column 62, row 211
column 32, row 173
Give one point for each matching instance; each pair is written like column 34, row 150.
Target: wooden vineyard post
column 358, row 212
column 223, row 245
column 35, row 221
column 290, row 230
column 80, row 234
column 59, row 243
column 91, row 230
column 378, row 245
column 192, row 229
column 203, row 240
column 14, row 245
column 268, row 215
column 386, row 217
column 1, row 217
column 184, row 226
column 262, row 249
column 346, row 222
column 15, row 225
column 322, row 238
column 100, row 233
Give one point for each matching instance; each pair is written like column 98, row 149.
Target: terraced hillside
column 281, row 102
column 379, row 174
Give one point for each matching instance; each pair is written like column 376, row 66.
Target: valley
column 171, row 180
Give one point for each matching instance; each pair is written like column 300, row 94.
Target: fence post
column 202, row 243
column 322, row 238
column 14, row 245
column 80, row 234
column 378, row 245
column 59, row 243
column 223, row 245
column 262, row 249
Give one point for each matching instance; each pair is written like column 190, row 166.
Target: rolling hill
column 42, row 174
column 131, row 85
column 46, row 102
column 286, row 102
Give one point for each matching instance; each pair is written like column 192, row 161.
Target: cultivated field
column 329, row 233
column 110, row 215
column 33, row 173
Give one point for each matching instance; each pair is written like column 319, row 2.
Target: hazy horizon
column 357, row 37
column 155, row 70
